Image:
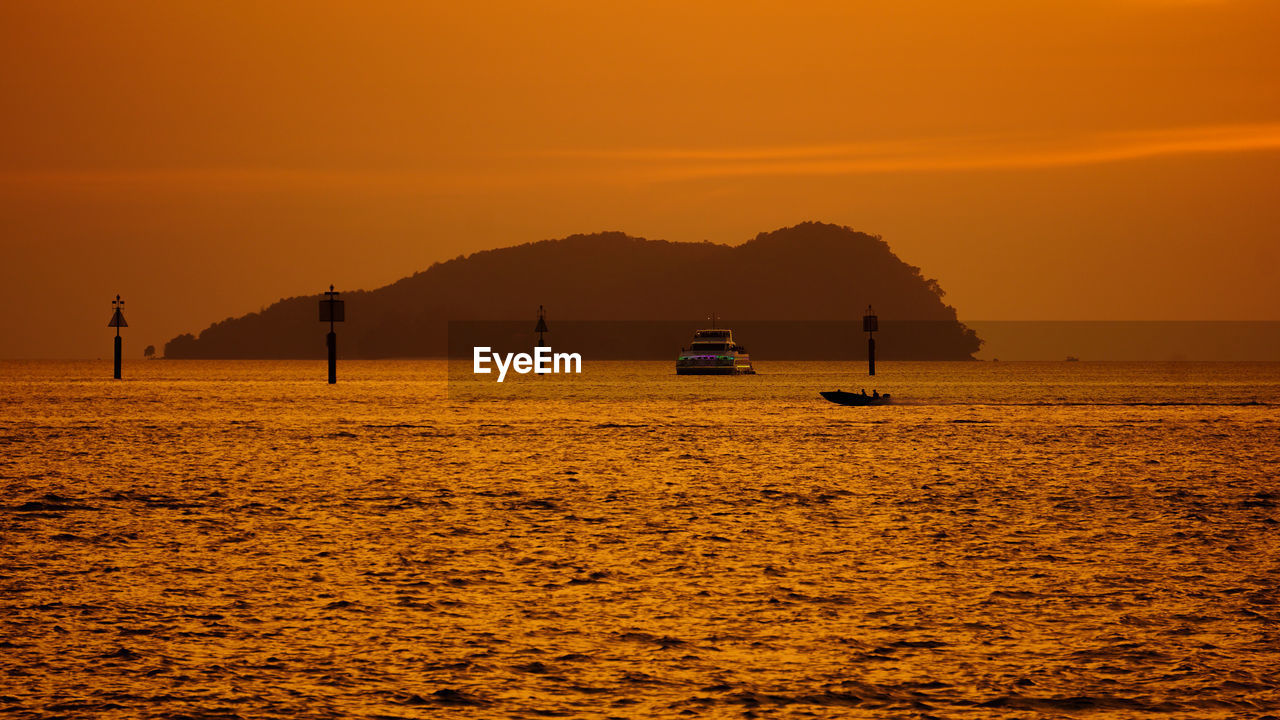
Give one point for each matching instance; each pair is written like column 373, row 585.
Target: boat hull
column 726, row 370
column 840, row 397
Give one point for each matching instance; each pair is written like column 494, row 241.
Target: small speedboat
column 861, row 399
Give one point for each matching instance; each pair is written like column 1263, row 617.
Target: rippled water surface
column 222, row 539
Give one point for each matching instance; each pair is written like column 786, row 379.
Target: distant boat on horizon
column 713, row 352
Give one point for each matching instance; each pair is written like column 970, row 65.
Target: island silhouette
column 794, row 293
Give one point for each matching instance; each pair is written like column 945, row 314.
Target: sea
column 240, row 539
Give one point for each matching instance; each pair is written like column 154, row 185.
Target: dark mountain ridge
column 809, row 272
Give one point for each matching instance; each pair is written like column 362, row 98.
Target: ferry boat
column 714, row 352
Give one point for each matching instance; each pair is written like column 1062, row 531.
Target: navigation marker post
column 332, row 310
column 541, row 327
column 870, row 324
column 117, row 322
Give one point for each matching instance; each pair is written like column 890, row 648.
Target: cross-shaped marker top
column 117, row 301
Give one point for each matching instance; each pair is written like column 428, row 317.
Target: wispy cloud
column 933, row 154
column 574, row 166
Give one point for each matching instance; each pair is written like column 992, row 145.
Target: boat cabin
column 712, row 341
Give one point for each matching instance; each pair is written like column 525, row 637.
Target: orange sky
column 1073, row 159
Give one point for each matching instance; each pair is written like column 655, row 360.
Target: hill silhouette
column 809, row 272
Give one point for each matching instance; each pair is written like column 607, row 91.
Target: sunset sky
column 1056, row 159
